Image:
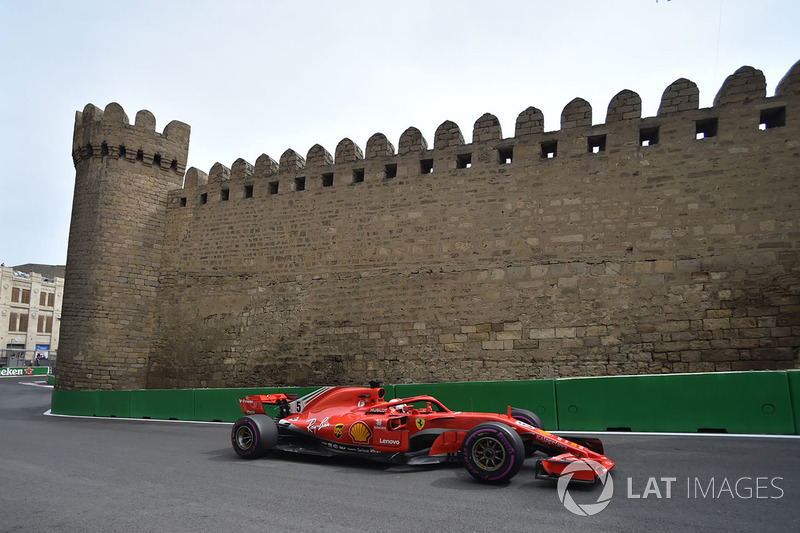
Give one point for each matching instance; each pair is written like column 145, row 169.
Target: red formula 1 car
column 358, row 421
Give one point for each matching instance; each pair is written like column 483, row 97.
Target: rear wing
column 254, row 404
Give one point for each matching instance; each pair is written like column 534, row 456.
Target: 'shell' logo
column 360, row 432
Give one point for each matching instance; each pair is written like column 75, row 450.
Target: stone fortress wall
column 639, row 245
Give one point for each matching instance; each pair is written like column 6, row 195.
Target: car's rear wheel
column 493, row 452
column 530, row 418
column 253, row 436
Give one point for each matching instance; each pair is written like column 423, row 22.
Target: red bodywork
column 359, row 420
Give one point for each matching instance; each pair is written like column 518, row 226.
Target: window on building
column 18, row 322
column 20, row 296
column 45, row 324
column 47, row 299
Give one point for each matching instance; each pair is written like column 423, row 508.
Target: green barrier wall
column 794, row 392
column 163, row 404
column 491, row 396
column 113, row 403
column 735, row 402
column 92, row 403
column 747, row 402
column 76, row 403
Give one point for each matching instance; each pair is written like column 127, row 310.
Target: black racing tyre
column 493, row 452
column 530, row 418
column 254, row 436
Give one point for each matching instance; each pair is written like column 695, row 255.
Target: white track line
column 49, row 413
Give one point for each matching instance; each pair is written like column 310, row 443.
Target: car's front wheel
column 493, row 452
column 253, row 436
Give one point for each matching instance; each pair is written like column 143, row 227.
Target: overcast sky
column 253, row 77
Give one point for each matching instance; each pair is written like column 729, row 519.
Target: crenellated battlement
column 741, row 101
column 108, row 133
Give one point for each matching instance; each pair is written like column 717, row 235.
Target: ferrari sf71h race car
column 358, row 421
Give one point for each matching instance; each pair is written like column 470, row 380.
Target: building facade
column 30, row 316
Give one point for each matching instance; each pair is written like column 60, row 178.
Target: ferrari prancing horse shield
column 420, row 423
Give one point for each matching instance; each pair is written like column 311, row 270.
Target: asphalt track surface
column 84, row 474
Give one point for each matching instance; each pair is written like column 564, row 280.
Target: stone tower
column 123, row 175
